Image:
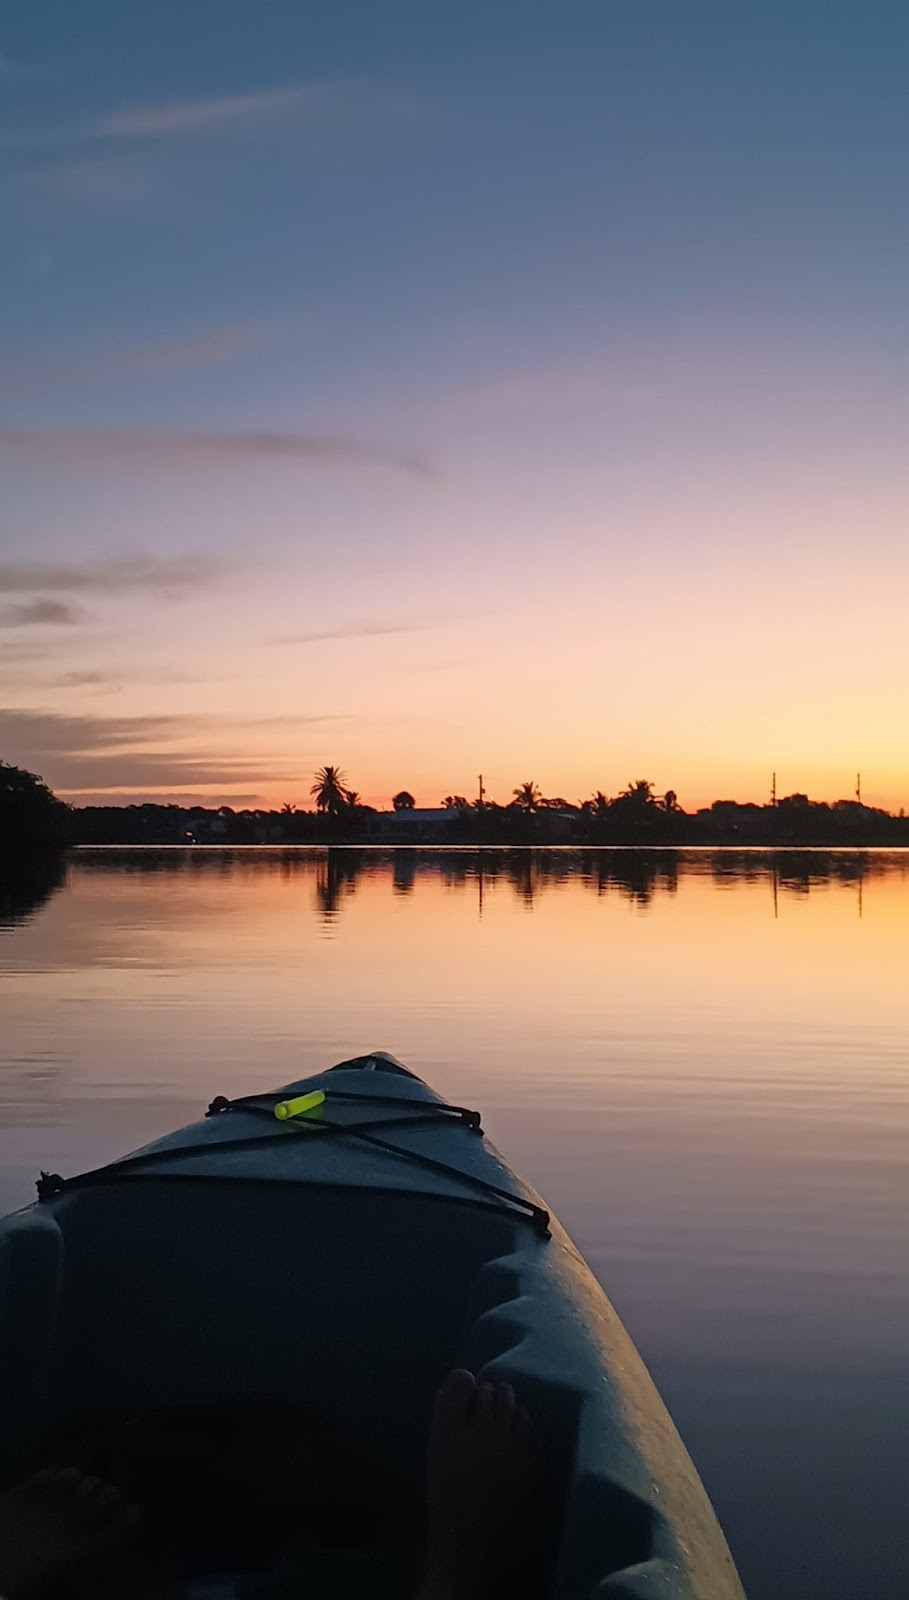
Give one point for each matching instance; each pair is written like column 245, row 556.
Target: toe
column 129, row 1521
column 108, row 1499
column 505, row 1404
column 523, row 1427
column 46, row 1481
column 64, row 1481
column 456, row 1393
column 102, row 1537
column 484, row 1405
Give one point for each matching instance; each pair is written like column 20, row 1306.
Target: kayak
column 345, row 1241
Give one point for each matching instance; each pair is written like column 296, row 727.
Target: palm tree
column 352, row 800
column 527, row 796
column 597, row 806
column 288, row 808
column 330, row 790
column 638, row 795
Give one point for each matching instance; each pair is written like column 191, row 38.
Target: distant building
column 411, row 826
column 557, row 825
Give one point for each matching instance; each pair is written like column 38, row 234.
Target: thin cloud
column 100, row 165
column 84, row 752
column 84, row 733
column 39, row 613
column 163, row 797
column 151, row 770
column 350, row 630
column 52, row 732
column 84, row 680
column 56, row 370
column 14, row 653
column 110, row 680
column 225, row 111
column 219, row 114
column 147, row 574
column 201, row 350
column 115, row 447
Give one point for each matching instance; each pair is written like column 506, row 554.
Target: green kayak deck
column 345, row 1259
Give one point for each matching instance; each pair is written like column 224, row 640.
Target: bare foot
column 57, row 1523
column 481, row 1478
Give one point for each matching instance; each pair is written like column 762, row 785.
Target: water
column 700, row 1059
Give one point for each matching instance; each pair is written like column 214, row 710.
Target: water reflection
column 637, row 875
column 27, row 883
column 698, row 1057
column 337, row 874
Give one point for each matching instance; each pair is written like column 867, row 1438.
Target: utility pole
column 482, row 795
column 773, row 791
column 858, row 787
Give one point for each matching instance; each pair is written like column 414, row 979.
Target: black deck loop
column 419, row 1114
column 49, row 1184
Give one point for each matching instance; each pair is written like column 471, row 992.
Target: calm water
column 702, row 1060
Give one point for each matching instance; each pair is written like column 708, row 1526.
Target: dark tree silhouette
column 456, row 802
column 403, row 800
column 29, row 812
column 527, row 796
column 330, row 790
column 638, row 795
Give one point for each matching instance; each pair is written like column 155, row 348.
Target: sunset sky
column 505, row 387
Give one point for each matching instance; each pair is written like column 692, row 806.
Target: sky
column 434, row 390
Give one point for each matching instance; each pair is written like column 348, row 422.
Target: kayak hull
column 346, row 1259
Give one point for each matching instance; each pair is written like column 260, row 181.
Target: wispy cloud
column 135, row 753
column 220, row 112
column 115, row 447
column 164, row 797
column 49, row 732
column 84, row 680
column 50, row 371
column 350, row 630
column 39, row 613
column 149, row 574
column 13, row 653
column 26, row 669
column 259, row 110
column 101, row 164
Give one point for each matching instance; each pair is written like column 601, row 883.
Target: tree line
column 30, row 814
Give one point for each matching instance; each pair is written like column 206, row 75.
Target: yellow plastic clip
column 299, row 1107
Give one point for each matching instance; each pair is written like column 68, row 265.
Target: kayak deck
column 270, row 1264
